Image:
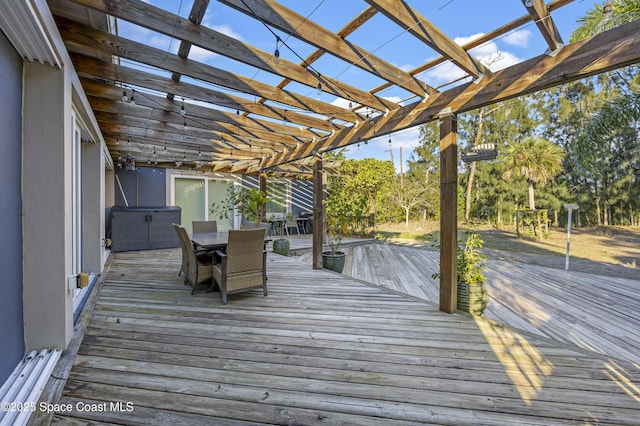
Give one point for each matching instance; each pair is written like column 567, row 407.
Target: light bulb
column 125, row 98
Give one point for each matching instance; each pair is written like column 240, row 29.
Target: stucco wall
column 11, row 329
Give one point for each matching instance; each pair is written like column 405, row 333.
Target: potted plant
column 471, row 290
column 246, row 203
column 225, row 209
column 253, row 205
column 280, row 245
column 334, row 259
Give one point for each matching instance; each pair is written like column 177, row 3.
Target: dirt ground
column 612, row 251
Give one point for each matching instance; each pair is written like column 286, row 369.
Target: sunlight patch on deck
column 525, row 365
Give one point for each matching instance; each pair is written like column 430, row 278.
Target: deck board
column 595, row 312
column 323, row 348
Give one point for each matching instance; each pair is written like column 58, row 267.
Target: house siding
column 11, row 312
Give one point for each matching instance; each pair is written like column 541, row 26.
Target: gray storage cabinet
column 144, row 228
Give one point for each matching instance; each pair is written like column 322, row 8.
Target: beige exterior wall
column 47, row 207
column 93, row 216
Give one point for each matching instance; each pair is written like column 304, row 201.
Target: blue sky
column 462, row 20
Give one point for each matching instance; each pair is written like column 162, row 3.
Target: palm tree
column 602, row 18
column 625, row 108
column 534, row 159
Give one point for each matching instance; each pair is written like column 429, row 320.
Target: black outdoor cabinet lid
column 148, row 208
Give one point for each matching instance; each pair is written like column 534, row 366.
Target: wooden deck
column 594, row 312
column 322, row 348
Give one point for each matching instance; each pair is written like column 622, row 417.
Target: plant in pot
column 244, row 202
column 471, row 290
column 253, row 205
column 281, row 245
column 334, row 259
column 225, row 209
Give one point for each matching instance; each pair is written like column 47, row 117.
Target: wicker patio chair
column 185, row 256
column 199, row 264
column 243, row 266
column 265, row 225
column 202, row 226
column 291, row 223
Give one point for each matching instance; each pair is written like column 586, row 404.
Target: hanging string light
column 276, row 53
column 182, row 111
column 125, row 98
column 133, row 99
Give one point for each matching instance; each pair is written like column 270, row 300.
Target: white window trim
column 173, row 174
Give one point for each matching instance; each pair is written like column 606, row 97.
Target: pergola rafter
column 239, row 113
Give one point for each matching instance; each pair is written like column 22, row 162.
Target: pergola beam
column 95, row 73
column 198, row 10
column 413, row 22
column 603, row 52
column 542, row 17
column 278, row 16
column 448, row 212
column 85, row 40
column 156, row 19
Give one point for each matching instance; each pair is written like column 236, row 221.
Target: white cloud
column 518, row 38
column 227, row 30
column 340, row 102
column 163, row 43
column 395, row 99
column 464, row 40
column 488, row 53
column 408, row 139
column 201, row 55
column 406, row 67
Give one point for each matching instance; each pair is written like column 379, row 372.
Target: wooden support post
column 263, row 188
column 319, row 189
column 448, row 212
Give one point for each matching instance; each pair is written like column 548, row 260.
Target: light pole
column 570, row 208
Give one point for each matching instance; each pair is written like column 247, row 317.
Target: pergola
column 240, row 124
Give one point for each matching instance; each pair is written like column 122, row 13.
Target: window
column 194, row 196
column 278, row 193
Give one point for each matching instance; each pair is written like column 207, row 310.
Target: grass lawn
column 611, row 244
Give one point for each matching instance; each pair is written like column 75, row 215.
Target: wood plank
column 92, row 42
column 598, row 313
column 161, row 21
column 413, row 22
column 322, row 348
column 603, row 52
column 448, row 212
column 290, row 22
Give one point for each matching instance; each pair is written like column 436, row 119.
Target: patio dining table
column 214, row 240
column 211, row 240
